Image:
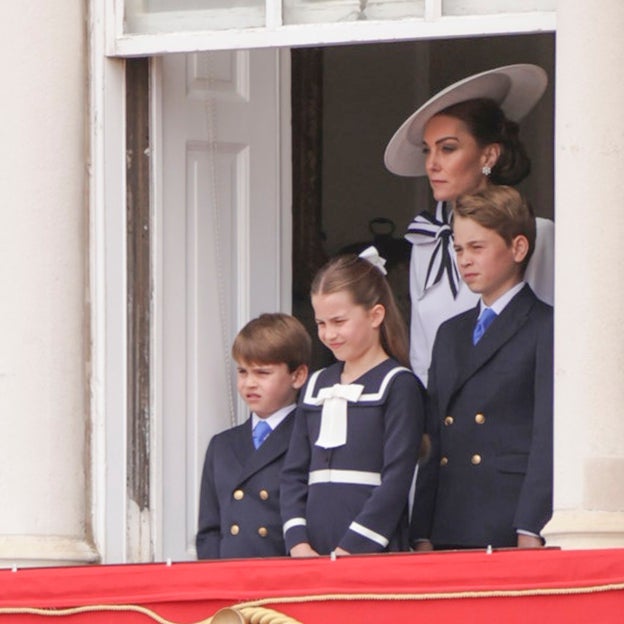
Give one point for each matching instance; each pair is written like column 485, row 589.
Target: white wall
column 589, row 333
column 43, row 315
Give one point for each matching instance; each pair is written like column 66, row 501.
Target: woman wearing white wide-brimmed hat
column 463, row 139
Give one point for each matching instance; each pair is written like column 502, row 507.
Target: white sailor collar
column 376, row 383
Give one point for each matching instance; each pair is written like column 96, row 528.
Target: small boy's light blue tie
column 260, row 433
column 487, row 316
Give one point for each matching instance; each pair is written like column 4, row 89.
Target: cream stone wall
column 589, row 307
column 43, row 315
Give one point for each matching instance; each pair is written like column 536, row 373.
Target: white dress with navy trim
column 354, row 495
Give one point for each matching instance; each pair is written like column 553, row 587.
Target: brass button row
column 449, row 420
column 262, row 531
column 475, row 460
column 239, row 495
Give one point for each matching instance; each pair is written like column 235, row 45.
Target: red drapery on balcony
column 508, row 586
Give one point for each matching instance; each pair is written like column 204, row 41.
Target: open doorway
column 223, row 216
column 347, row 101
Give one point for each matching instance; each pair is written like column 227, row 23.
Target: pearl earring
column 486, row 170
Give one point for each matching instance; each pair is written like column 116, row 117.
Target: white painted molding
column 583, row 529
column 157, row 360
column 285, row 218
column 24, row 551
column 107, row 291
column 334, row 33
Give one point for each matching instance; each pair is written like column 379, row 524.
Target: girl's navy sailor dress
column 354, row 494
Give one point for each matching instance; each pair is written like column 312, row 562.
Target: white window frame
column 112, row 522
column 276, row 34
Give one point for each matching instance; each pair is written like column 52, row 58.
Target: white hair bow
column 370, row 254
column 333, row 431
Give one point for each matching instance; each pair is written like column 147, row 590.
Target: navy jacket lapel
column 462, row 355
column 502, row 329
column 274, row 446
column 243, row 447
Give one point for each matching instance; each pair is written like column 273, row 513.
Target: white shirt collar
column 275, row 418
column 499, row 305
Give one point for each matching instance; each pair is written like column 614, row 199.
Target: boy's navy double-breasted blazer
column 490, row 420
column 239, row 508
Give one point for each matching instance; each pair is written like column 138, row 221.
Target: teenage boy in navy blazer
column 239, row 507
column 488, row 480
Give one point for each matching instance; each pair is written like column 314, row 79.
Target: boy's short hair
column 502, row 209
column 273, row 339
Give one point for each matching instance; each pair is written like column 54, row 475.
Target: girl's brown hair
column 368, row 287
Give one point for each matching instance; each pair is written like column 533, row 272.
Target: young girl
column 359, row 423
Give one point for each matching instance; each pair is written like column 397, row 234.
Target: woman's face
column 454, row 160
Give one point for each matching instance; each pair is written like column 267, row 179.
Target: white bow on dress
column 333, row 430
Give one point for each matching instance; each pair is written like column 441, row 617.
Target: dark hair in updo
column 488, row 124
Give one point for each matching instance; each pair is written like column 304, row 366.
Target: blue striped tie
column 487, row 316
column 260, row 433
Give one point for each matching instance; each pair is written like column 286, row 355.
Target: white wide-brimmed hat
column 515, row 88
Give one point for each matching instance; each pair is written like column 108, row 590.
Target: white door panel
column 221, row 255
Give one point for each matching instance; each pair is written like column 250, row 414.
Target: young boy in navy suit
column 239, row 508
column 489, row 477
